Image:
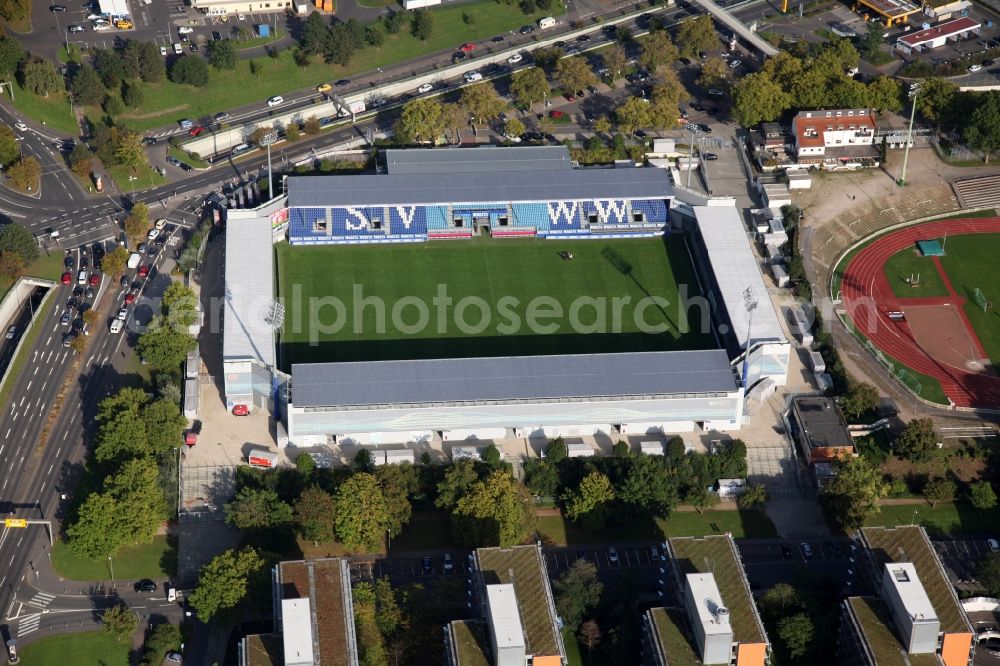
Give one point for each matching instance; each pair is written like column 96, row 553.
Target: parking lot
column 960, row 558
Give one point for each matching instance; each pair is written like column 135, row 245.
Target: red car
column 241, row 410
column 556, row 114
column 467, row 47
column 143, row 270
column 129, row 298
column 67, row 278
column 570, row 97
column 95, row 279
column 196, row 130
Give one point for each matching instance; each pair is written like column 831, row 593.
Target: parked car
column 425, row 564
column 324, row 87
column 806, row 549
column 145, row 585
column 153, row 233
column 185, row 30
column 468, row 47
column 994, row 546
column 527, row 29
column 122, row 314
column 497, row 39
column 472, row 76
column 57, row 8
column 66, row 318
column 342, row 83
column 241, row 410
column 715, row 92
column 613, row 554
column 974, row 68
column 449, row 564
column 195, row 131
column 556, row 114
column 129, row 299
column 178, row 49
column 76, row 28
column 786, row 552
column 735, row 63
column 143, row 271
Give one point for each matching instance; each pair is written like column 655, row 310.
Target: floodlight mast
column 267, row 140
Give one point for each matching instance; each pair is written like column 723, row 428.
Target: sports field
column 486, row 298
column 969, row 262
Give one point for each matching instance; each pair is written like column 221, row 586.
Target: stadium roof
column 511, row 378
column 736, row 269
column 910, row 544
column 249, row 289
column 478, row 160
column 432, row 188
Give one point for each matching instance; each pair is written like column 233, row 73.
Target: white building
column 938, row 35
column 709, row 618
column 506, row 633
column 912, row 612
column 834, row 137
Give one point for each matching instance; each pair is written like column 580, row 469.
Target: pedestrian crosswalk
column 28, row 624
column 41, row 600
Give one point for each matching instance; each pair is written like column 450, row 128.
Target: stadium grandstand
column 426, row 195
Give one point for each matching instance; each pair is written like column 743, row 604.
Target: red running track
column 867, row 296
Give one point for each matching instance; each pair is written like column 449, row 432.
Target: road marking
column 3, row 445
column 5, row 482
column 65, row 434
column 50, row 468
column 58, row 451
column 36, row 371
column 28, row 387
column 43, row 485
column 49, row 339
column 50, row 367
column 28, row 624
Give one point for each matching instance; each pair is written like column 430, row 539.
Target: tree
column 458, row 479
column 697, row 35
column 15, row 10
column 89, row 317
column 292, row 131
column 361, row 517
column 87, row 87
column 25, row 173
column 12, row 266
column 780, row 601
column 796, row 632
column 614, row 60
column 314, row 34
column 497, row 511
column 700, row 497
column 40, row 77
column 190, row 69
column 152, row 68
column 714, row 74
column 885, row 94
column 120, row 621
column 482, row 102
column 113, row 106
column 374, row 36
column 420, row 121
column 18, row 240
column 314, row 511
column 939, row 490
column 541, row 477
column 398, row 483
column 395, row 21
column 529, row 86
column 754, row 495
column 590, row 501
column 590, row 635
column 666, row 98
column 255, row 509
column 79, row 160
column 128, row 149
column 936, row 98
column 137, row 222
column 988, row 573
column 852, row 497
column 224, row 582
column 132, row 95
column 982, row 495
column 574, row 74
column 163, row 638
column 576, row 592
column 620, row 449
column 547, row 58
column 602, row 125
column 657, row 51
column 341, row 44
column 861, row 399
column 78, row 344
column 98, row 530
column 423, row 24
column 513, row 127
column 110, row 66
column 9, row 146
column 648, row 490
column 633, row 114
column 871, row 41
column 757, row 98
column 164, row 347
column 492, row 456
column 983, row 130
column 917, row 442
column 164, row 424
column 848, row 93
column 556, row 451
column 305, row 463
column 11, row 55
column 136, row 489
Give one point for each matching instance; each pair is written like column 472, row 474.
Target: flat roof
column 296, row 631
column 505, row 621
column 674, row 640
column 903, row 576
column 708, row 601
column 431, row 188
column 469, row 643
column 114, row 7
column 511, row 378
column 480, row 159
column 875, row 623
column 910, row 544
column 326, row 584
column 736, row 269
column 822, row 422
column 263, row 650
column 524, row 567
column 944, row 29
column 249, row 289
column 716, row 554
column 891, row 8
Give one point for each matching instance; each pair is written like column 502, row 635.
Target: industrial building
column 519, row 623
column 313, row 618
column 938, row 35
column 719, row 623
column 499, row 192
column 224, row 7
column 917, row 617
column 822, row 429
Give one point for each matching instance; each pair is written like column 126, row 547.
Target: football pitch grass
column 488, row 297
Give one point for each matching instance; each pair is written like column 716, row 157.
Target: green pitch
column 450, row 299
column 970, row 260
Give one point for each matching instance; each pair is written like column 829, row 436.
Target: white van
column 547, row 22
column 240, row 149
column 81, row 278
column 473, row 76
column 117, row 325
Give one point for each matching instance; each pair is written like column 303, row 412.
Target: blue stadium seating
column 655, row 210
column 608, row 211
column 436, row 217
column 357, row 221
column 531, row 215
column 564, row 215
column 408, row 220
column 301, row 222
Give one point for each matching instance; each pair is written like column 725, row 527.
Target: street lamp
column 111, row 568
column 913, row 92
column 267, row 140
column 693, row 129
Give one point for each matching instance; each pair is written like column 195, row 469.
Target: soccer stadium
column 494, row 292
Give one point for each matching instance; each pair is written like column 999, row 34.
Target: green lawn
column 185, row 157
column 145, row 177
column 969, row 261
column 427, row 530
column 90, row 648
column 909, row 262
column 53, row 110
column 47, row 267
column 156, row 560
column 27, row 345
column 743, row 524
column 255, row 41
column 947, row 518
column 486, row 270
column 167, row 102
column 573, row 657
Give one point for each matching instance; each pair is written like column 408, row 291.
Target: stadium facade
column 498, row 192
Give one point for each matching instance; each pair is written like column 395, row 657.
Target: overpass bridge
column 738, row 27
